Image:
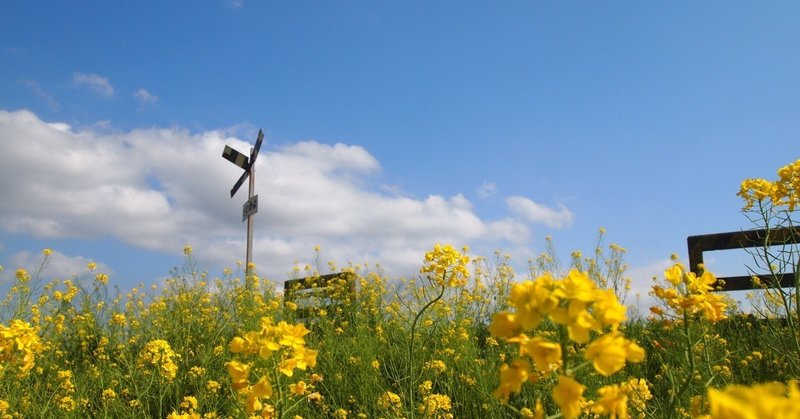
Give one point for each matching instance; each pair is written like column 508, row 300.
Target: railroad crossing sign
column 251, row 206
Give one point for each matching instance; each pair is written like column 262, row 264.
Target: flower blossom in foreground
column 761, row 401
column 574, row 303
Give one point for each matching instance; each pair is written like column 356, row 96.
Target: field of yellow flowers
column 467, row 338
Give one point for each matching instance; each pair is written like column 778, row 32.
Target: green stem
column 411, row 381
column 675, row 399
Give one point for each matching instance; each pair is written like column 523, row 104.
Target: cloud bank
column 160, row 189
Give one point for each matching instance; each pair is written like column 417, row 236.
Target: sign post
column 250, row 188
column 251, row 206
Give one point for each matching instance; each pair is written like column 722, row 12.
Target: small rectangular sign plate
column 250, row 207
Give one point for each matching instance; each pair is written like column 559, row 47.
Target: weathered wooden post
column 251, row 206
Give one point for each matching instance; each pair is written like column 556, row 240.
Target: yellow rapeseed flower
column 189, row 403
column 511, row 378
column 252, row 403
column 299, row 388
column 67, row 404
column 578, row 320
column 533, row 300
column 760, row 401
column 436, row 365
column 638, row 393
column 213, row 386
column 22, row 275
column 607, row 309
column 237, row 345
column 609, row 352
column 390, row 401
column 536, row 413
column 425, row 388
column 19, row 346
column 287, row 367
column 576, row 286
column 504, row 325
column 546, row 355
column 445, row 262
column 109, row 394
column 159, row 354
column 568, row 395
column 674, row 274
column 101, row 278
column 756, row 190
column 262, row 388
column 239, row 371
column 713, row 306
column 613, row 401
column 292, row 335
column 435, row 405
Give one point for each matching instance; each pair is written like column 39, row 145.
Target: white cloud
column 487, row 189
column 99, row 84
column 159, row 189
column 57, row 265
column 538, row 213
column 510, row 230
column 144, row 97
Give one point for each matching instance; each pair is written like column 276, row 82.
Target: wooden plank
column 741, row 240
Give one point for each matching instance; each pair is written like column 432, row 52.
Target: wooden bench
column 740, row 240
column 321, row 292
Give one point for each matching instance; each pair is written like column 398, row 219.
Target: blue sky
column 390, row 126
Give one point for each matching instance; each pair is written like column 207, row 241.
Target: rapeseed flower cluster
column 446, row 264
column 158, row 354
column 783, row 192
column 19, row 346
column 391, row 402
column 436, row 406
column 689, row 294
column 576, row 304
column 65, row 391
column 283, row 347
